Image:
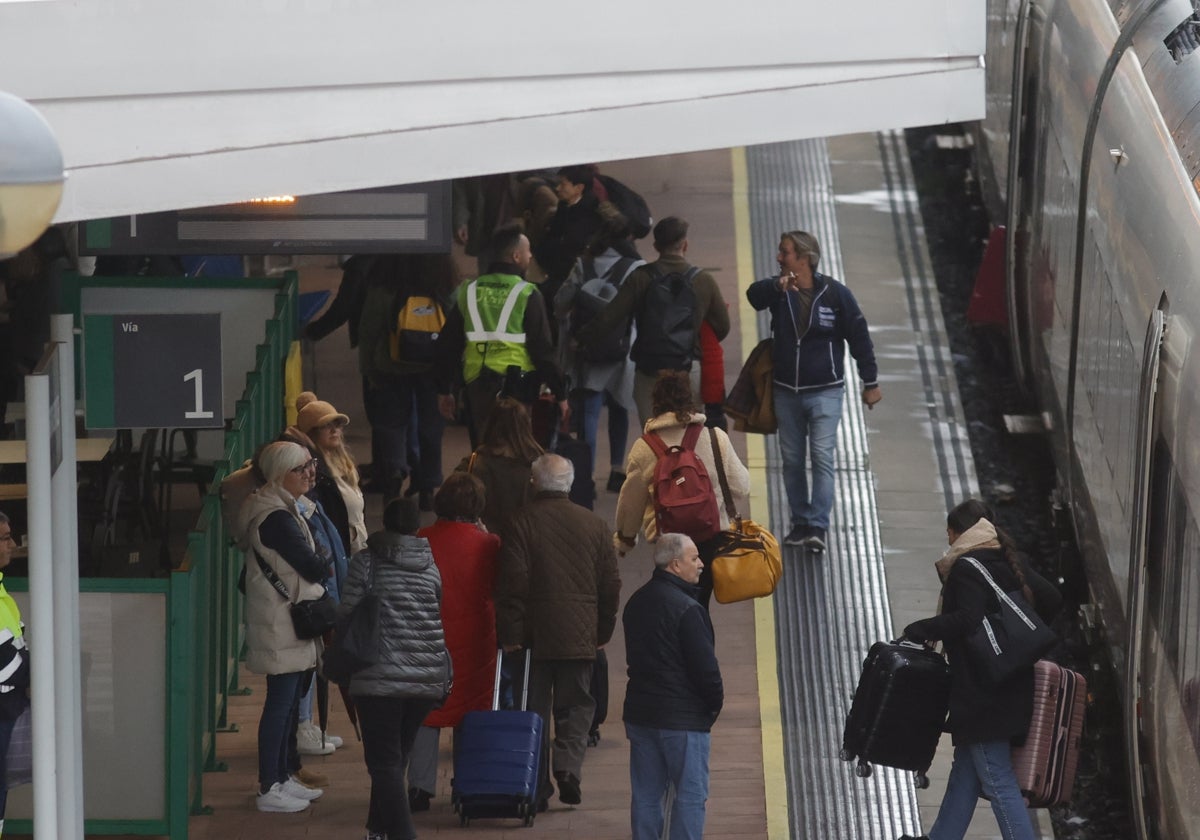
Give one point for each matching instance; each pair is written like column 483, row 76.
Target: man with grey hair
column 674, row 695
column 553, row 473
column 557, row 591
column 813, row 319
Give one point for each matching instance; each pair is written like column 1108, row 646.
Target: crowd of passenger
column 558, row 325
column 516, row 583
column 561, row 320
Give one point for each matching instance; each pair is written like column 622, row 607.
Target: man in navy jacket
column 813, row 317
column 674, row 695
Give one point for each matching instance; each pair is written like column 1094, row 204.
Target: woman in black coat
column 985, row 720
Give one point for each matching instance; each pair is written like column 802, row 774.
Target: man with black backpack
column 668, row 300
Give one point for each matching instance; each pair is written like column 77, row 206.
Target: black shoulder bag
column 310, row 619
column 356, row 639
column 1012, row 638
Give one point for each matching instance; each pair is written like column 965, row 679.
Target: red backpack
column 684, row 500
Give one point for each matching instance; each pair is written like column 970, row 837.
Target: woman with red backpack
column 689, row 503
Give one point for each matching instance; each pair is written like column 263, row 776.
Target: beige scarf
column 980, row 535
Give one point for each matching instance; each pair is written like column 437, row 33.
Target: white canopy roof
column 160, row 104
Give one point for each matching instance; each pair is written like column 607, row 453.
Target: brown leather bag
column 750, row 402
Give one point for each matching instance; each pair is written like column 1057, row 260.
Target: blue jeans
column 808, row 423
column 982, row 769
column 277, row 728
column 662, row 762
column 618, row 425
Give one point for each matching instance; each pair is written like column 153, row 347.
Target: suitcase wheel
column 845, row 754
column 863, row 770
column 922, row 781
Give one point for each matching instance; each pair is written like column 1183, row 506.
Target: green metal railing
column 204, row 605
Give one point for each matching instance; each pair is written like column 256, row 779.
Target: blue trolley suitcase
column 898, row 710
column 496, row 760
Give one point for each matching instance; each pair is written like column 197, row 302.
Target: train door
column 1021, row 161
column 1148, row 486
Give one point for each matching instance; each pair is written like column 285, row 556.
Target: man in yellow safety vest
column 499, row 322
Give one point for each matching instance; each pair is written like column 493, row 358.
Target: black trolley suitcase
column 496, row 759
column 898, row 710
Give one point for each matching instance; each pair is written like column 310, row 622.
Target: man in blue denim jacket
column 812, row 318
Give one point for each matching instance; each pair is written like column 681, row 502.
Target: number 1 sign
column 152, row 371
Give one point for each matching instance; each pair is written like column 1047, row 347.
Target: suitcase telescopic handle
column 525, row 681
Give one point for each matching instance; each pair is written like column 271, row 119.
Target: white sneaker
column 295, row 789
column 277, row 801
column 308, row 740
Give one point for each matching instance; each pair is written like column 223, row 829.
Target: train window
column 1184, row 39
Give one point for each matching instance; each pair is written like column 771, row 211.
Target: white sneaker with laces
column 297, row 790
column 308, row 740
column 277, row 801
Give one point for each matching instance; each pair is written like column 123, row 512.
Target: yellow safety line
column 774, row 775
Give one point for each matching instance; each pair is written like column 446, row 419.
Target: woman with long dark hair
column 986, row 721
column 502, row 461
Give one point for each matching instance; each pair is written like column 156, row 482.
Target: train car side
column 1105, row 225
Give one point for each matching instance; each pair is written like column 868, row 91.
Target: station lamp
column 31, row 174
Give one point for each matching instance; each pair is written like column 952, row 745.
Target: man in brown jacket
column 557, row 592
column 668, row 299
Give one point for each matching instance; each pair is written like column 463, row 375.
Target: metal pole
column 68, row 658
column 41, row 606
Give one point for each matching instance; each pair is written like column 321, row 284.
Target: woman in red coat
column 465, row 554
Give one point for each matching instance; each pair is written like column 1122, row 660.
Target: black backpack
column 666, row 336
column 591, row 298
column 632, row 206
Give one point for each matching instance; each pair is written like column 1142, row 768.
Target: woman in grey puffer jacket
column 413, row 674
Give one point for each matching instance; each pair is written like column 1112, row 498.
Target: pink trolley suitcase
column 1046, row 763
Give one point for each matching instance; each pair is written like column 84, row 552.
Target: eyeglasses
column 332, row 424
column 305, row 467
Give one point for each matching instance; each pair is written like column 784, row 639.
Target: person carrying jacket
column 636, row 300
column 985, row 720
column 14, row 661
column 414, row 672
column 813, row 317
column 557, row 592
column 674, row 696
column 499, row 321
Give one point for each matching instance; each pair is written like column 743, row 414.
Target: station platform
column 789, row 663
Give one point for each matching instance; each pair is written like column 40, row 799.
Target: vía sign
column 152, row 371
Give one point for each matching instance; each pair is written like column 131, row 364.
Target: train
column 1089, row 156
